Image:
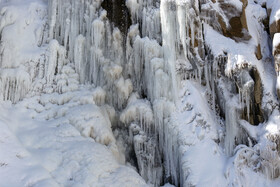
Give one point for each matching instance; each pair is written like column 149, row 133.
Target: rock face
column 236, row 18
column 118, row 14
column 176, row 75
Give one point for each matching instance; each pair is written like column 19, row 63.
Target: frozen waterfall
column 162, row 84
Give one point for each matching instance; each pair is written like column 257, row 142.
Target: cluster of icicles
column 126, row 67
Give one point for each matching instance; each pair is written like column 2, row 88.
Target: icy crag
column 139, row 93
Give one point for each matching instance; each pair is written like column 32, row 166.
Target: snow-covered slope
column 139, row 93
column 40, row 152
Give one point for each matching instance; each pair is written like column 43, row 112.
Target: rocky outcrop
column 230, row 20
column 118, row 14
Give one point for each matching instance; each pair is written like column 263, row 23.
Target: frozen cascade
column 138, row 74
column 150, row 67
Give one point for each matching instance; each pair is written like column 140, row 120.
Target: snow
column 276, row 41
column 217, row 40
column 17, row 166
column 251, row 130
column 206, row 171
column 196, row 136
column 274, row 6
column 56, row 151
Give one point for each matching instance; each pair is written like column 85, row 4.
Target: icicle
column 247, row 101
column 56, row 59
column 231, row 127
column 137, row 110
column 168, row 15
column 67, row 80
column 246, row 88
column 207, row 76
column 134, row 8
column 124, row 89
column 14, row 84
column 52, row 16
column 151, row 23
column 79, row 53
column 213, row 94
column 147, row 155
column 182, row 27
column 99, row 96
column 117, row 46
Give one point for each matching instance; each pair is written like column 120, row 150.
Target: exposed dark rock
column 118, row 14
column 258, row 52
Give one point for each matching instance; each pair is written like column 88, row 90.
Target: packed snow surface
column 40, row 152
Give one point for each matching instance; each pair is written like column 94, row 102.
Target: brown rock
column 276, row 51
column 243, row 14
column 237, row 20
column 258, row 90
column 222, row 24
column 258, row 52
column 236, row 27
column 274, row 28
